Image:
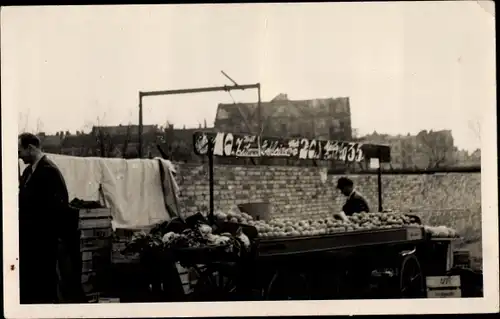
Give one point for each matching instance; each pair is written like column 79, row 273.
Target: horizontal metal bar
column 411, row 171
column 200, row 90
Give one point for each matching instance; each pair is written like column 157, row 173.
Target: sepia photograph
column 249, row 159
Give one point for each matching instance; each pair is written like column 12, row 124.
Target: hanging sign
column 374, row 163
column 239, row 145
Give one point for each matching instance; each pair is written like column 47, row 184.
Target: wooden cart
column 387, row 263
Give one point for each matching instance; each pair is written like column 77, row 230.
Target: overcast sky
column 405, row 66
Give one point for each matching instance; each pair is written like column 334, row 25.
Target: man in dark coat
column 355, row 203
column 43, row 204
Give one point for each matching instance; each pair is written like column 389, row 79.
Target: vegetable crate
column 135, row 281
column 95, row 246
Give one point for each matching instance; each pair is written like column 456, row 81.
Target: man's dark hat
column 343, row 182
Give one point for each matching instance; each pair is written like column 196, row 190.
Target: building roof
column 123, row 129
column 51, row 140
column 281, row 106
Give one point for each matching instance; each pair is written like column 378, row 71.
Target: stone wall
column 452, row 199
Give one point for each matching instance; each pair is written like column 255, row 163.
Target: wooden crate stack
column 95, row 246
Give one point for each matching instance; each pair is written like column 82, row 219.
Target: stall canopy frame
column 227, row 88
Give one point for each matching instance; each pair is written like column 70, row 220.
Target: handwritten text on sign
column 228, row 144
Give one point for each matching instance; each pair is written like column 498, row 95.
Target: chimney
column 280, row 97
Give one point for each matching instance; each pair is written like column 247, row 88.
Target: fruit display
column 196, row 232
column 288, row 227
column 284, row 227
column 234, row 215
column 441, row 232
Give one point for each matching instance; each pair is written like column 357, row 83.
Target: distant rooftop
column 282, row 104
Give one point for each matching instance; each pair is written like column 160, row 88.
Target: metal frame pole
column 210, row 146
column 228, row 88
column 140, row 124
column 379, row 183
column 259, row 110
column 211, row 178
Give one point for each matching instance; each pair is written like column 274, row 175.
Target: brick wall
column 452, row 199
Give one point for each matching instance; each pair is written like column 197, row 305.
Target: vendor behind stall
column 355, row 202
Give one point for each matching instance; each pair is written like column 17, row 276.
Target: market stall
column 237, row 255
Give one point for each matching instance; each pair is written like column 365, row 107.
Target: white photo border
column 489, row 303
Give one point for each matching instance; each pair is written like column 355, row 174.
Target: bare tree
column 127, row 140
column 39, row 126
column 407, row 153
column 23, row 121
column 475, row 127
column 355, row 134
column 437, row 146
column 102, row 139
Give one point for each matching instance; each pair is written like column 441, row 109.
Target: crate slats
column 94, row 243
column 95, row 223
column 86, row 256
column 106, row 232
column 95, row 247
column 95, row 213
column 87, row 265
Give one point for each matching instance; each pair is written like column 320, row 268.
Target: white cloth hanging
column 132, row 189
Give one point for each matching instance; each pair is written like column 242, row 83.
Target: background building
column 427, row 149
column 281, row 117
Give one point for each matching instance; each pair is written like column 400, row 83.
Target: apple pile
column 286, row 227
column 381, row 220
column 234, row 215
column 289, row 227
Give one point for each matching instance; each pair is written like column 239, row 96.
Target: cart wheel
column 411, row 279
column 213, row 285
column 288, row 286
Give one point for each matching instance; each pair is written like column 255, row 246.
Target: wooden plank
column 97, row 238
column 91, row 249
column 88, row 277
column 85, row 244
column 94, row 223
column 106, row 233
column 87, row 233
column 414, row 233
column 87, row 266
column 109, row 300
column 448, row 293
column 442, row 281
column 87, row 287
column 95, row 213
column 86, row 255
